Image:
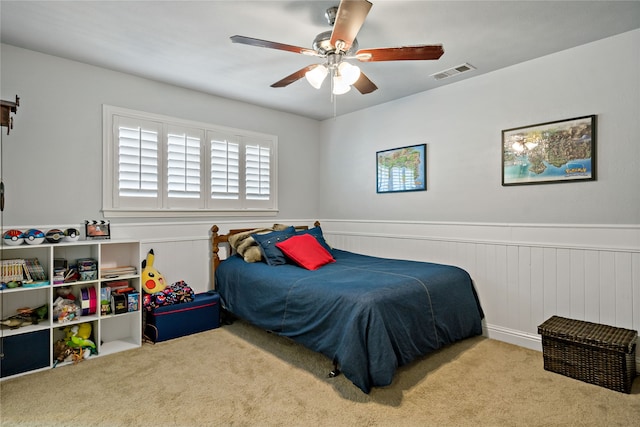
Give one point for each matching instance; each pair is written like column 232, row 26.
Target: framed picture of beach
column 552, row 152
column 401, row 169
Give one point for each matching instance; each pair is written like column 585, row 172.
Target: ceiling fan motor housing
column 322, row 45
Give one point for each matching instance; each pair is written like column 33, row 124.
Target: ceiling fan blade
column 294, row 77
column 405, row 53
column 349, row 19
column 364, row 85
column 273, row 45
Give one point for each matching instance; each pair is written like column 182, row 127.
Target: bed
column 369, row 315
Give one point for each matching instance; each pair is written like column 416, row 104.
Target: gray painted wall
column 52, row 159
column 461, row 124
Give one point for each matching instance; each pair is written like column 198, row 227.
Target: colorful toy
column 65, row 308
column 71, row 234
column 61, row 352
column 152, row 279
column 78, row 336
column 76, row 344
column 82, row 330
column 156, row 292
column 54, row 235
column 13, row 237
column 177, row 293
column 26, row 316
column 34, row 236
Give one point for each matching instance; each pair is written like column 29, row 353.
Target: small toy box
column 594, row 353
column 177, row 320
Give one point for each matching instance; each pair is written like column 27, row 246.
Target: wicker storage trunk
column 597, row 354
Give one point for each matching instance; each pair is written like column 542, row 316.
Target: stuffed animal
column 152, row 279
column 61, row 352
column 26, row 316
column 77, row 336
column 76, row 344
column 83, row 330
column 177, row 293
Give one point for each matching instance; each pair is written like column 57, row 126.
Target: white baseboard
column 522, row 339
column 511, row 336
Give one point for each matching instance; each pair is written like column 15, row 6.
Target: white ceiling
column 186, row 43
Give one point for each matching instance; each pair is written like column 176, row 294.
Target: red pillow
column 305, row 251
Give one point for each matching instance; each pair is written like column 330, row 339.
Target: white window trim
column 110, row 167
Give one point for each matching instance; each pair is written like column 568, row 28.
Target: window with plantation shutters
column 137, row 161
column 162, row 166
column 257, row 171
column 183, row 166
column 225, row 167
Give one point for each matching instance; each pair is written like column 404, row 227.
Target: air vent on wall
column 453, row 71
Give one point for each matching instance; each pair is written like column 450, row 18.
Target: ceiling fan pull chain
column 334, row 98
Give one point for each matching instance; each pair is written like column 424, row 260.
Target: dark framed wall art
column 401, row 169
column 552, row 152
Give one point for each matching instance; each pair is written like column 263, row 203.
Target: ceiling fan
column 340, row 44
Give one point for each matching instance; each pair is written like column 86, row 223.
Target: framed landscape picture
column 401, row 169
column 560, row 151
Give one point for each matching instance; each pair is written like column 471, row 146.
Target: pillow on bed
column 317, row 233
column 306, row 251
column 267, row 242
column 245, row 245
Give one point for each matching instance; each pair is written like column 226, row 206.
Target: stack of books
column 29, row 271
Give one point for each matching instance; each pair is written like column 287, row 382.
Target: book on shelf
column 14, row 269
column 35, row 269
column 117, row 271
column 26, row 270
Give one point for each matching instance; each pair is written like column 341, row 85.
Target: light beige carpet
column 241, row 376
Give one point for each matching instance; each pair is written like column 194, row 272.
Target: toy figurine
column 152, row 279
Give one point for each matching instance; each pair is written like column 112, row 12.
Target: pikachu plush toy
column 152, row 279
column 157, row 292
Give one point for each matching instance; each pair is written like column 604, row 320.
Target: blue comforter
column 369, row 315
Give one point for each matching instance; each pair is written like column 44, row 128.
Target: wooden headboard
column 218, row 239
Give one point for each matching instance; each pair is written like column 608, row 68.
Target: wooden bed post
column 214, row 251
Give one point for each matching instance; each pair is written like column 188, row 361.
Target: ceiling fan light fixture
column 350, row 73
column 316, row 76
column 340, row 87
